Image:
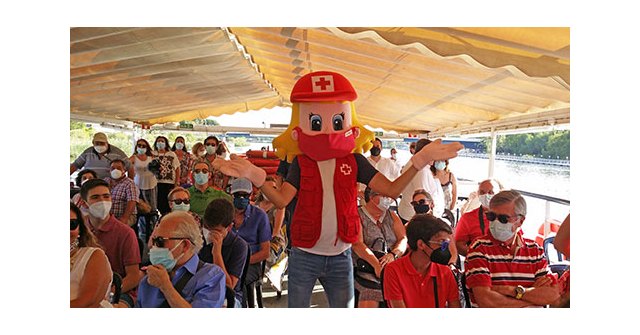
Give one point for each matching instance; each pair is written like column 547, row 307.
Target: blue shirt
column 205, row 289
column 255, row 228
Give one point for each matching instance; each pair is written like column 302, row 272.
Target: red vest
column 307, row 218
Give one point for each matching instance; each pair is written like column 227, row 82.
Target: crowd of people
column 217, row 235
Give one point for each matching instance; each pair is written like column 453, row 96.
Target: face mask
column 116, row 174
column 421, row 208
column 225, row 155
column 100, row 148
column 501, row 231
column 84, row 181
column 161, row 145
column 322, row 147
column 179, row 146
column 202, row 153
column 164, row 257
column 375, row 151
column 440, row 165
column 141, row 151
column 384, row 203
column 100, row 210
column 485, row 199
column 205, row 233
column 211, row 149
column 240, row 203
column 393, row 156
column 201, row 178
column 181, row 207
column 264, row 196
column 440, row 256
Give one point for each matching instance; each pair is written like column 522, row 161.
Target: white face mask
column 501, row 231
column 179, row 146
column 205, row 233
column 100, row 148
column 100, row 210
column 485, row 199
column 384, row 203
column 202, row 153
column 116, row 174
column 211, row 149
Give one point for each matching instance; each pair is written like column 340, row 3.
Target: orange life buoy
column 554, row 225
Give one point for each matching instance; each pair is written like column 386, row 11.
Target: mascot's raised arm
column 324, row 142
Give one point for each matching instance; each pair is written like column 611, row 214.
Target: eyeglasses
column 159, row 241
column 181, row 201
column 74, row 223
column 503, row 218
column 201, row 171
column 443, row 245
column 241, row 195
column 419, row 202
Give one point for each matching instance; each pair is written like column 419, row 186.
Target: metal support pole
column 492, row 153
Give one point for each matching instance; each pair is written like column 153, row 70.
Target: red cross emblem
column 322, row 83
column 345, row 169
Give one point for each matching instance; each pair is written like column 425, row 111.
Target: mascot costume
column 324, row 142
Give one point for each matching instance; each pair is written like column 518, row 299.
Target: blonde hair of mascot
column 288, row 148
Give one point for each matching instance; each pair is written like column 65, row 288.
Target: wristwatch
column 519, row 292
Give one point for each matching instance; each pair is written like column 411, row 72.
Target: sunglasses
column 159, row 241
column 74, row 223
column 503, row 218
column 443, row 245
column 241, row 195
column 181, row 201
column 419, row 202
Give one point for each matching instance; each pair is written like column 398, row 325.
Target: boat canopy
column 440, row 81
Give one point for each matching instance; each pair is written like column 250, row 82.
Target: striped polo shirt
column 491, row 262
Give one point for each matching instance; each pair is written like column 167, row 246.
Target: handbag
column 364, row 272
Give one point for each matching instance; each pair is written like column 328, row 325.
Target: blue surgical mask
column 179, row 145
column 240, row 203
column 201, row 178
column 161, row 145
column 440, row 165
column 501, row 231
column 141, row 151
column 164, row 257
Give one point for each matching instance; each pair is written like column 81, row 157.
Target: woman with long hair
column 144, row 179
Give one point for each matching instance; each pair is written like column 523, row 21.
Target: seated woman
column 381, row 231
column 422, row 203
column 90, row 269
column 83, row 176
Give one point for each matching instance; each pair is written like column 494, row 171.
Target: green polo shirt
column 200, row 200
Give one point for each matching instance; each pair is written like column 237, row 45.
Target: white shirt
column 387, row 167
column 423, row 179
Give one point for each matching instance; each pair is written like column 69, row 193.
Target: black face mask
column 439, row 256
column 375, row 151
column 421, row 208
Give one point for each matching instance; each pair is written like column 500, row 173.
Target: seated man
column 252, row 224
column 223, row 246
column 117, row 239
column 201, row 193
column 422, row 278
column 422, row 203
column 504, row 269
column 124, row 194
column 177, row 277
column 472, row 224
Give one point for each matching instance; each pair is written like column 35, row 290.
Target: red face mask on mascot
column 322, row 147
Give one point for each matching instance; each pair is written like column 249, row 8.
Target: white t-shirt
column 423, row 179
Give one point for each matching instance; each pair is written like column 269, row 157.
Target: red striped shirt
column 490, row 262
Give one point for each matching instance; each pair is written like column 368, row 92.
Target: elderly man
column 201, row 193
column 422, row 278
column 223, row 246
column 177, row 277
column 99, row 157
column 252, row 224
column 117, row 239
column 124, row 194
column 504, row 269
column 473, row 224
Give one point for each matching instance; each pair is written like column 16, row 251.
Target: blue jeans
column 334, row 272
